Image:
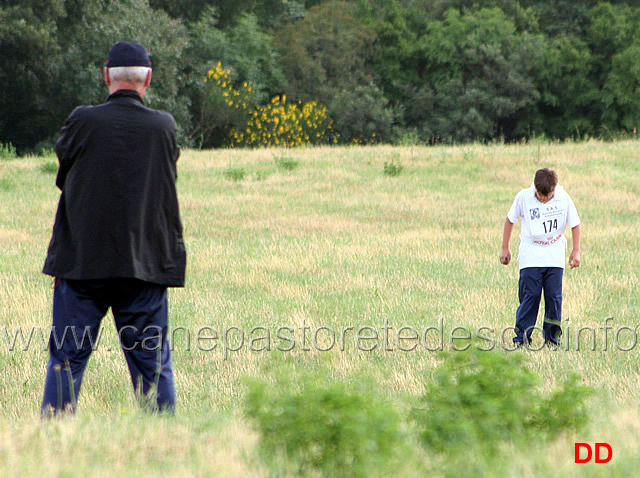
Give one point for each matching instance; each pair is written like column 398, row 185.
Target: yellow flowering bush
column 222, row 88
column 284, row 124
column 222, row 108
column 277, row 123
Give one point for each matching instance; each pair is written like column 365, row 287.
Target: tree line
column 393, row 71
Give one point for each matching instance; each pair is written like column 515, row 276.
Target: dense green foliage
column 476, row 404
column 481, row 399
column 437, row 70
column 330, row 427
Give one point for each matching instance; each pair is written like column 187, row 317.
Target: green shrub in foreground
column 335, row 429
column 479, row 399
column 563, row 409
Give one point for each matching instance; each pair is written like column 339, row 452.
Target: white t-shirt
column 542, row 241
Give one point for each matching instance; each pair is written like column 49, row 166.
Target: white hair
column 137, row 74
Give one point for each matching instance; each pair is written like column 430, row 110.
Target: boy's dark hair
column 545, row 181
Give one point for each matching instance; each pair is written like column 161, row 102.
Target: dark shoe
column 551, row 345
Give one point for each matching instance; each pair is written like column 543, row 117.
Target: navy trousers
column 533, row 281
column 140, row 310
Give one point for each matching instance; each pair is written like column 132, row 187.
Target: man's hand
column 505, row 256
column 574, row 259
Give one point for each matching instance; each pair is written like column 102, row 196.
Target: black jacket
column 118, row 215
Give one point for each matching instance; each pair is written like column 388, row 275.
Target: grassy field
column 316, row 260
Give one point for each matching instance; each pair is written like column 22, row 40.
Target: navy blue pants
column 140, row 310
column 533, row 281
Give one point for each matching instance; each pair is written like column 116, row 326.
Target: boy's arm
column 505, row 255
column 574, row 257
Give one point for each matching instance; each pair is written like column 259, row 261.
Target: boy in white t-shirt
column 546, row 210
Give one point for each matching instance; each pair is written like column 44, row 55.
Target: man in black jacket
column 117, row 239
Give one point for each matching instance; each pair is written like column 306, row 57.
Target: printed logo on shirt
column 535, row 213
column 550, row 240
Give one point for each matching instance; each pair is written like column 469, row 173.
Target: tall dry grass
column 331, row 250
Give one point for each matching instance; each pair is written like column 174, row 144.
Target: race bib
column 547, row 222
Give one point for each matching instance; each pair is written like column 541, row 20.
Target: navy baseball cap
column 128, row 54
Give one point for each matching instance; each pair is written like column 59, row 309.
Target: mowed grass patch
column 345, row 263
